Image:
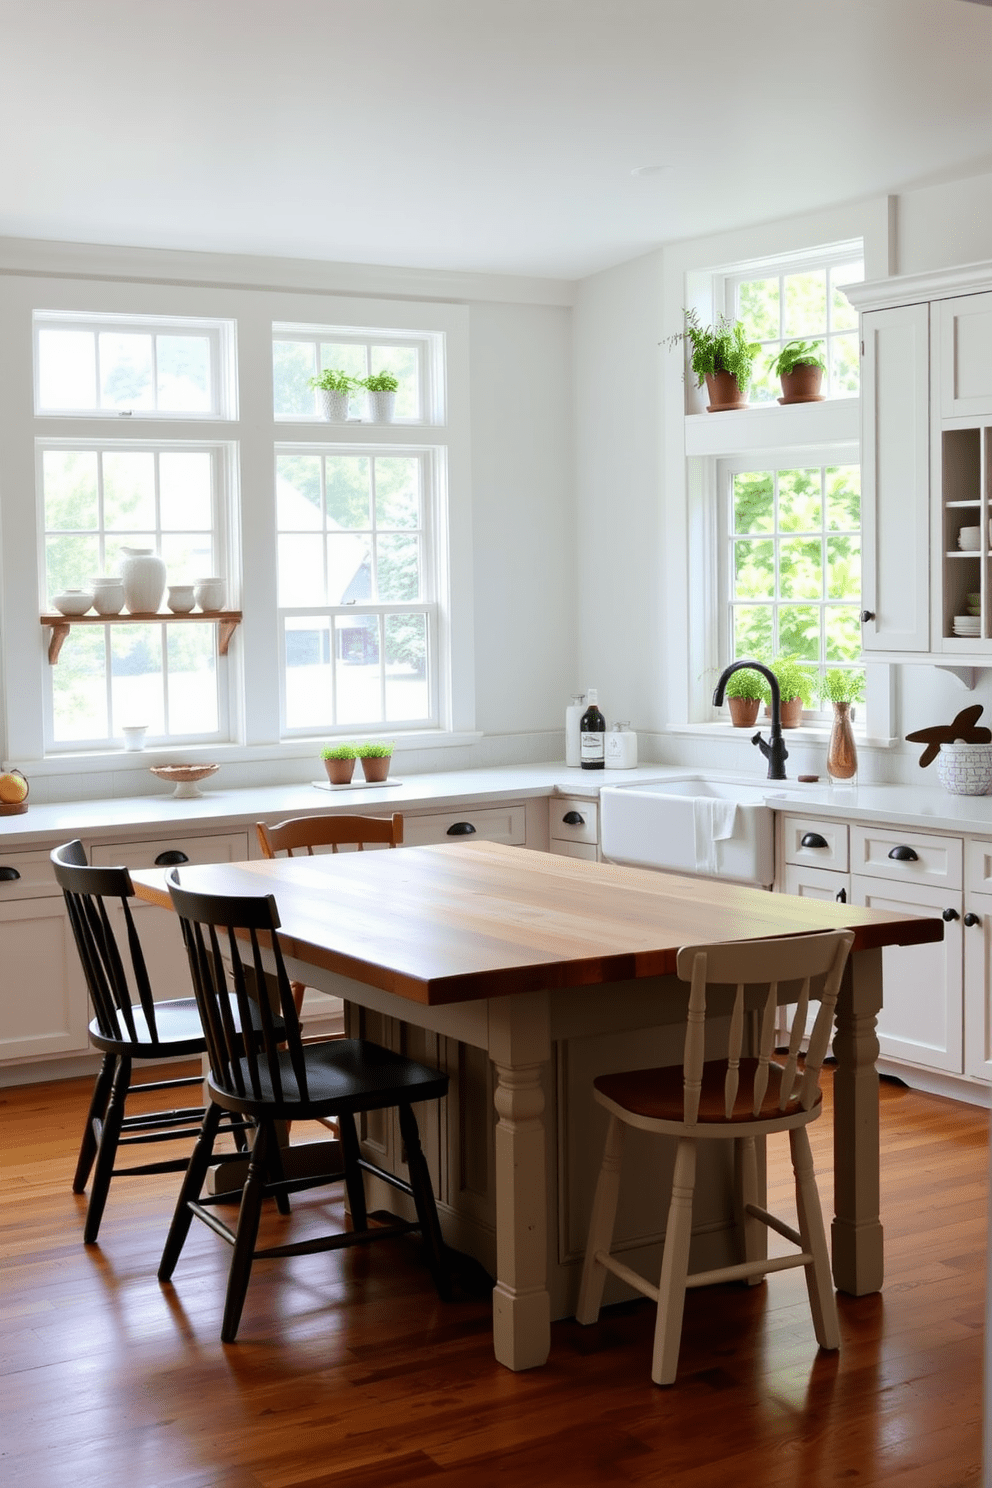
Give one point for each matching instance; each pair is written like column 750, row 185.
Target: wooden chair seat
column 742, row 1098
column 177, row 1032
column 657, row 1095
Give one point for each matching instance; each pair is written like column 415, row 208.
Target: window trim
column 220, row 332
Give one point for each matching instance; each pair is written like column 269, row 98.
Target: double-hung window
column 100, row 492
column 357, row 511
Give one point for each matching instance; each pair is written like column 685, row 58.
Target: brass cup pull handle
column 573, row 819
column 8, row 874
column 461, row 829
column 170, row 858
column 813, row 839
column 904, row 854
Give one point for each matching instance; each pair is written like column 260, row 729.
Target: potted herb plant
column 842, row 689
column 339, row 762
column 375, row 760
column 381, row 388
column 745, row 691
column 722, row 357
column 798, row 688
column 333, row 388
column 800, row 368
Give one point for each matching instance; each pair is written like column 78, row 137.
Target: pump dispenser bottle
column 592, row 731
column 573, row 715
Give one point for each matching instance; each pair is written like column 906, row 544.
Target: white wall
column 631, row 479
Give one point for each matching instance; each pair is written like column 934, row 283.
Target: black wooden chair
column 232, row 948
column 128, row 1026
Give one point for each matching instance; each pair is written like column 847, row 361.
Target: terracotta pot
column 375, row 766
column 743, row 711
column 339, row 771
column 802, row 385
column 724, row 392
column 842, row 753
column 791, row 712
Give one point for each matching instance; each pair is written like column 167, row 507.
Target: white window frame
column 220, row 333
column 434, row 494
column 816, row 457
column 429, row 346
column 829, row 256
column 224, row 514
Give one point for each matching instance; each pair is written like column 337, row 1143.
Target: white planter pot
column 143, row 575
column 965, row 769
column 333, row 405
column 381, row 407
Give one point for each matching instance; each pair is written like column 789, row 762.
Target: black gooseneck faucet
column 774, row 751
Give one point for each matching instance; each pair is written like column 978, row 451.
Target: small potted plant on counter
column 798, row 688
column 722, row 357
column 375, row 760
column 799, row 367
column 333, row 388
column 381, row 388
column 339, row 762
column 745, row 692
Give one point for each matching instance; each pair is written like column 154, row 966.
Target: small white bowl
column 970, row 539
column 73, row 602
column 181, row 598
column 108, row 596
column 210, row 593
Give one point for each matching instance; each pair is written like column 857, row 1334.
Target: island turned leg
column 856, row 1234
column 520, row 1048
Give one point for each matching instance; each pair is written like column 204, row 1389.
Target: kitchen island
column 556, row 970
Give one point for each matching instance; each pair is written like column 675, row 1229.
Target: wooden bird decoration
column 962, row 728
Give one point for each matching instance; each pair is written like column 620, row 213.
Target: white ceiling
column 459, row 134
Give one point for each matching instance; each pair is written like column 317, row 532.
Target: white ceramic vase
column 108, row 594
column 333, row 405
column 381, row 407
column 143, row 573
column 210, row 593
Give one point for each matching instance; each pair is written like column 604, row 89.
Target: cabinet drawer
column 492, row 824
column 821, row 844
column 587, row 850
column 231, row 847
column 978, row 865
column 919, row 857
column 34, row 875
column 562, row 824
column 816, row 883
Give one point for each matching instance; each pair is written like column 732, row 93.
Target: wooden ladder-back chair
column 128, row 1025
column 232, row 947
column 304, row 833
column 739, row 1098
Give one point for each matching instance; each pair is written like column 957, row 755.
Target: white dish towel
column 713, row 822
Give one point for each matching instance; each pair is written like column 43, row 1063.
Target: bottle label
column 592, row 747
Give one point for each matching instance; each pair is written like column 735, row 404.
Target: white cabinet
column 44, row 1007
column 964, row 362
column 895, row 443
column 926, row 385
column 573, row 827
column 937, row 1020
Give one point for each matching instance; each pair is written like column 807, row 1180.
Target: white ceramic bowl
column 73, row 602
column 181, row 598
column 970, row 539
column 965, row 769
column 210, row 593
column 108, row 595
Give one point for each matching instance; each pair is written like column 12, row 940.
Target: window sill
column 773, row 426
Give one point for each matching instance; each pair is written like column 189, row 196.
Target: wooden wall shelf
column 227, row 622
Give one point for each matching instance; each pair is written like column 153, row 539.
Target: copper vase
column 842, row 754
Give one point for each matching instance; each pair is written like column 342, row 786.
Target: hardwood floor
column 349, row 1372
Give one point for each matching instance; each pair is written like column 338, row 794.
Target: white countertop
column 925, row 806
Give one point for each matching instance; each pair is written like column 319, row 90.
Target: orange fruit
column 13, row 788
